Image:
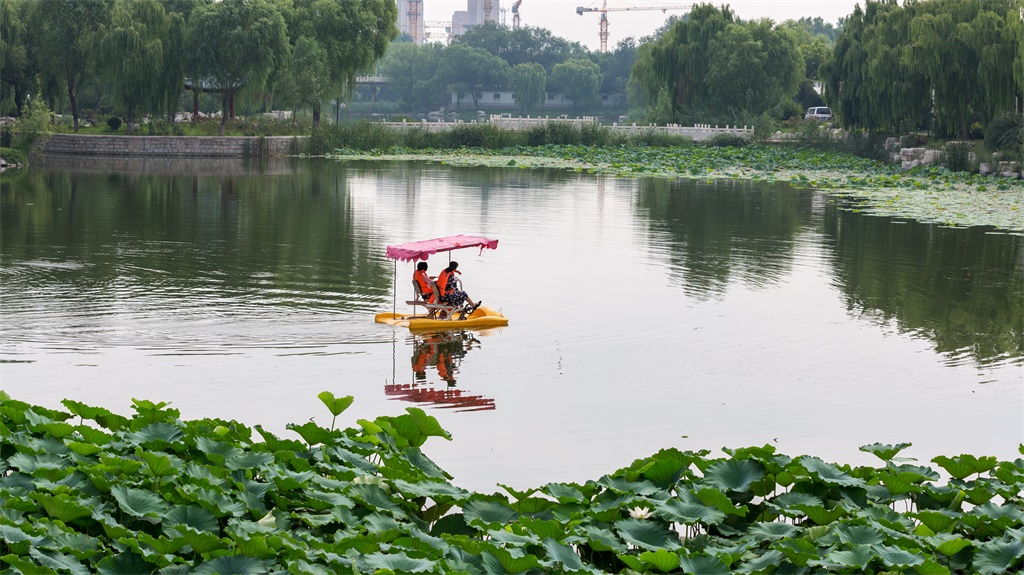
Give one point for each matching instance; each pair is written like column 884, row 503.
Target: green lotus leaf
column 720, row 501
column 32, row 463
column 162, row 545
column 798, row 551
column 272, row 443
column 998, row 556
column 26, row 567
column 157, row 435
column 948, row 544
column 772, row 531
column 601, row 539
column 512, row 539
column 621, row 485
column 930, row 567
column 398, row 563
column 791, row 500
column 498, row 561
column 150, row 412
column 80, row 545
column 249, row 460
column 159, row 465
column 139, row 503
column 921, row 472
column 84, row 448
column 566, row 558
column 12, row 534
column 84, row 411
column 544, row 529
column 858, row 534
column 769, row 560
column 453, row 524
column 217, row 451
column 62, row 507
column 91, row 435
column 231, row 565
column 963, row 465
column 58, row 430
column 821, row 516
column 193, row 516
column 200, row 541
column 937, row 520
column 689, row 513
column 734, row 474
column 488, row 513
column 288, row 480
column 355, row 461
column 59, row 561
column 828, row 473
column 703, row 565
column 900, row 483
column 564, row 493
column 651, row 535
column 896, row 557
column 124, row 564
column 858, row 557
column 433, row 489
column 634, row 563
column 420, row 461
column 375, row 498
column 992, row 511
column 416, row 426
column 662, row 559
column 883, row 451
column 336, row 405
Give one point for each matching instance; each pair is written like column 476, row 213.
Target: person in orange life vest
column 424, row 282
column 448, row 287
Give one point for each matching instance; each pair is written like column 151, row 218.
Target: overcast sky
column 560, row 16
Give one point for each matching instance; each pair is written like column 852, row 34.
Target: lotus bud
column 268, row 520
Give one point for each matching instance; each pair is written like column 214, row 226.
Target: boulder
column 892, row 143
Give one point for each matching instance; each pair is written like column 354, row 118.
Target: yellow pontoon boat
column 436, row 317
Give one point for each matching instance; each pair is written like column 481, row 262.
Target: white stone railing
column 696, row 133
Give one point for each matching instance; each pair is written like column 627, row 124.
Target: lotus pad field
column 87, row 490
column 927, row 194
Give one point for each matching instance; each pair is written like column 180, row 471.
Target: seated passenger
column 425, row 283
column 448, row 286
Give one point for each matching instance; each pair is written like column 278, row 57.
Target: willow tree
column 353, row 34
column 235, row 45
column 67, row 33
column 529, row 83
column 15, row 77
column 580, row 80
column 134, row 48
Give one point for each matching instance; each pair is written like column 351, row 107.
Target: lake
column 644, row 313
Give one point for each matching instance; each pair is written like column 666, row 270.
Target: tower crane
column 515, row 14
column 604, row 10
column 415, row 12
column 488, row 8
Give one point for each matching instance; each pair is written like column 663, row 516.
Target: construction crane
column 488, row 8
column 515, row 14
column 415, row 11
column 604, row 10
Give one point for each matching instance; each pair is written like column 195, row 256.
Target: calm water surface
column 643, row 313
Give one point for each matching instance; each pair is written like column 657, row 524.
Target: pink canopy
column 421, row 250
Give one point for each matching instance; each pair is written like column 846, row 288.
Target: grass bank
column 927, row 194
column 88, row 490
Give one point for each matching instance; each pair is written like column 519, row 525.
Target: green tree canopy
column 467, row 69
column 236, row 44
column 412, row 71
column 580, row 80
column 15, row 72
column 67, row 33
column 527, row 44
column 528, row 82
column 311, row 74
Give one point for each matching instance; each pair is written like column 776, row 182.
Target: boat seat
column 432, row 308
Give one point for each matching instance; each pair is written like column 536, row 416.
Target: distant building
column 502, row 99
column 409, row 10
column 474, row 15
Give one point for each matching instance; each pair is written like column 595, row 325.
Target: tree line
column 144, row 53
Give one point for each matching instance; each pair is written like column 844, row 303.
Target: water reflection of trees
column 291, row 235
column 442, row 353
column 714, row 234
column 961, row 288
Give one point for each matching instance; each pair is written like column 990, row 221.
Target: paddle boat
column 437, row 316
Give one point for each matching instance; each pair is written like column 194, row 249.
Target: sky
column 560, row 16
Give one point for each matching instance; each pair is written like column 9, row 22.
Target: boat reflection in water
column 440, row 352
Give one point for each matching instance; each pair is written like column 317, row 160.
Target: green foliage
column 580, row 80
column 114, row 123
column 14, row 156
column 1004, row 133
column 528, row 82
column 33, row 127
column 957, row 157
column 366, row 494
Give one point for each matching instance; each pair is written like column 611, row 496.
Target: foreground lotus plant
column 90, row 491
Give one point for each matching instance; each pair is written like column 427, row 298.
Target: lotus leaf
column 25, row 566
column 512, row 539
column 139, row 503
column 336, row 405
column 798, row 551
column 248, row 460
column 689, row 513
column 398, row 562
column 376, row 498
column 195, row 517
column 601, row 539
column 487, row 513
column 124, row 564
column 500, row 561
column 938, row 520
column 828, row 473
column 961, row 466
column 772, row 531
column 231, row 565
column 563, row 555
column 157, row 435
column 663, row 559
column 734, row 474
column 652, row 535
column 416, row 426
column 721, row 501
column 858, row 556
column 703, row 565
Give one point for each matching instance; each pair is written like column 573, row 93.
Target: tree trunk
column 316, row 116
column 130, row 114
column 224, row 99
column 195, row 105
column 232, row 105
column 71, row 97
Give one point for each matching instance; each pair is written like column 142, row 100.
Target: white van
column 821, row 113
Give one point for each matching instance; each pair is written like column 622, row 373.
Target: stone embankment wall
column 170, row 146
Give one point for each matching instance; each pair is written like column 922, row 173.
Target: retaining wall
column 166, row 146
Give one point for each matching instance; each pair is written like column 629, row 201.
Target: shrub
column 114, row 123
column 33, row 127
column 1003, row 134
column 726, row 141
column 13, row 156
column 957, row 157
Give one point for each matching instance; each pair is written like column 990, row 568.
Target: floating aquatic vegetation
column 88, row 490
column 928, row 194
